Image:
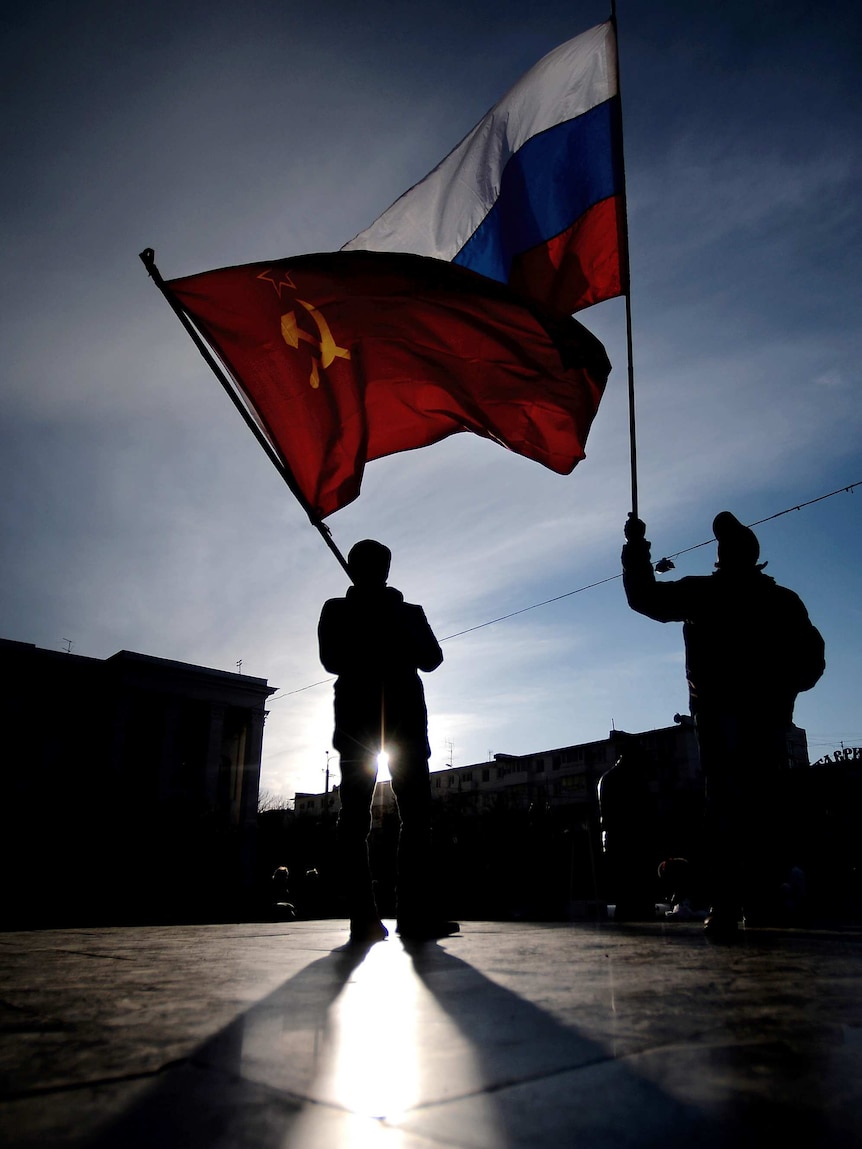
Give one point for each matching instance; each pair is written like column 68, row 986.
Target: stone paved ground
column 510, row 1034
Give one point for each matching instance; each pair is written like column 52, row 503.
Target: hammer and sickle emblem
column 327, row 351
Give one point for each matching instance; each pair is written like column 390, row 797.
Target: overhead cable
column 590, row 586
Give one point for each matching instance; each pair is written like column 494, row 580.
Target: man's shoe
column 367, row 933
column 426, row 930
column 721, row 926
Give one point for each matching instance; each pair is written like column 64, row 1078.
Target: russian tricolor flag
column 533, row 196
column 453, row 311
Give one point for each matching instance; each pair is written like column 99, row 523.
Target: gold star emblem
column 278, row 279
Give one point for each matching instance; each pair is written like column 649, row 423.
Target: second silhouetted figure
column 750, row 649
column 375, row 643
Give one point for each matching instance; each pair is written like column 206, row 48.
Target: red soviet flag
column 348, row 356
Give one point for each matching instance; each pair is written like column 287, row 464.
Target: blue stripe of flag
column 547, row 185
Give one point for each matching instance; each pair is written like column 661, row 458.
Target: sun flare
column 383, row 774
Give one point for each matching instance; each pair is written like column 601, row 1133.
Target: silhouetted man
column 627, row 814
column 750, row 649
column 376, row 642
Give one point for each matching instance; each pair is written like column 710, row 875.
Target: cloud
column 139, row 512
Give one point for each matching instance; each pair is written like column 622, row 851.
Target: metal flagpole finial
column 148, row 258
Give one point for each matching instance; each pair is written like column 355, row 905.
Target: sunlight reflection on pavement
column 377, row 1060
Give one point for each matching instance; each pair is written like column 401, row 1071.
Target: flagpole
column 148, row 259
column 633, row 452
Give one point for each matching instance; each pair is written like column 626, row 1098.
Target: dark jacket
column 375, row 643
column 749, row 642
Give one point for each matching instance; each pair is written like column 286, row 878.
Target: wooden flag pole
column 625, row 270
column 148, row 259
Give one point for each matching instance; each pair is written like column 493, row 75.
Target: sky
column 141, row 514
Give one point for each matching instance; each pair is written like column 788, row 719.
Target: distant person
column 282, row 904
column 675, row 876
column 375, row 643
column 750, row 649
column 627, row 814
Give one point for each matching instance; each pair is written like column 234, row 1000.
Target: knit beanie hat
column 737, row 544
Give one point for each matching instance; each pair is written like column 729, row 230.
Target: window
column 574, row 783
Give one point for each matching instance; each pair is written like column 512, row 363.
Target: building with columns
column 130, row 787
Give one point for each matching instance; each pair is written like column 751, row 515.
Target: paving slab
column 505, row 1035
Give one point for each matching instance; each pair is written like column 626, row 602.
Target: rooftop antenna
column 239, row 666
column 69, row 647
